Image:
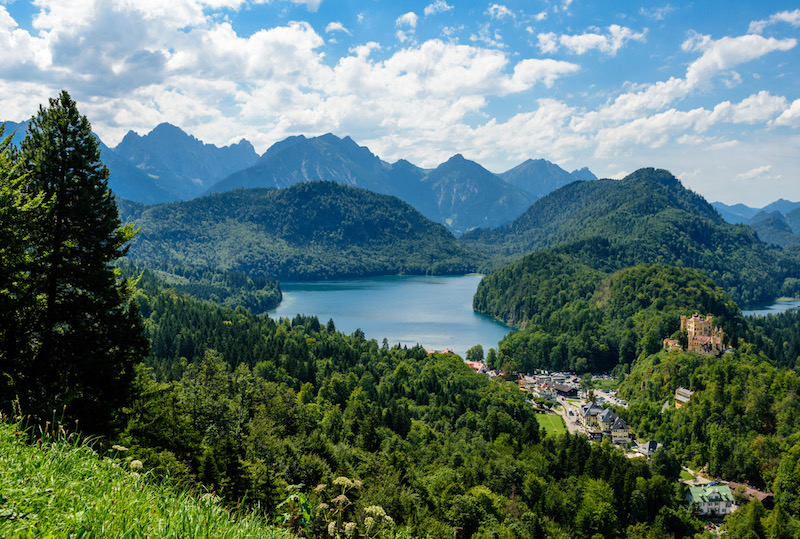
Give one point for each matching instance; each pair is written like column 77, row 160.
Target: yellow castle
column 704, row 338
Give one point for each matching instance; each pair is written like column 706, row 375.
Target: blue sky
column 708, row 90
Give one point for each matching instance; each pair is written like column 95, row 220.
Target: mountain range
column 459, row 193
column 777, row 223
column 168, row 165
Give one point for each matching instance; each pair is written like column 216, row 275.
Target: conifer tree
column 18, row 211
column 88, row 334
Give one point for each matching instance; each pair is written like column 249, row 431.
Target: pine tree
column 88, row 332
column 18, row 211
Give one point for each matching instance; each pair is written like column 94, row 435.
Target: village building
column 537, row 388
column 767, row 499
column 711, row 500
column 598, row 422
column 477, row 366
column 648, row 448
column 682, row 396
column 564, row 390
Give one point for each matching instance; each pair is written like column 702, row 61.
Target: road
column 569, row 420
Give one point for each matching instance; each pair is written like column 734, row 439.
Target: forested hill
column 318, row 230
column 577, row 318
column 648, row 217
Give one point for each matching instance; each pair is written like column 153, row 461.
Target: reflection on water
column 775, row 308
column 435, row 312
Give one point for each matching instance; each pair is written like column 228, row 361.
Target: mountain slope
column 648, row 217
column 468, row 196
column 775, row 228
column 738, row 213
column 540, row 177
column 459, row 193
column 181, row 164
column 317, row 230
column 300, row 159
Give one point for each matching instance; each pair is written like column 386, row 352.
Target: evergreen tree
column 18, row 211
column 87, row 333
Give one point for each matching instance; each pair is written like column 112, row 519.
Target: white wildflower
column 376, row 511
column 343, row 482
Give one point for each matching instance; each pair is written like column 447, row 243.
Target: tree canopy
column 81, row 335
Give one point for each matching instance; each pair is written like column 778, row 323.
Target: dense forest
column 229, row 288
column 743, row 422
column 648, row 217
column 249, row 405
column 573, row 317
column 310, row 231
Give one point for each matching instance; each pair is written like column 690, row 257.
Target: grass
column 606, row 385
column 552, row 423
column 686, row 475
column 62, row 488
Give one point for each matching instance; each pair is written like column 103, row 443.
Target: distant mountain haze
column 540, row 177
column 181, row 164
column 459, row 193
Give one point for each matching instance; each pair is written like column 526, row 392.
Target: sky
column 708, row 90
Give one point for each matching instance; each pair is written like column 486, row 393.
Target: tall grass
column 60, row 487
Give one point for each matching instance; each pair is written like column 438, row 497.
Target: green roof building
column 711, row 500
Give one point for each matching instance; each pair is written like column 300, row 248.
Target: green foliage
column 291, row 402
column 229, row 288
column 576, row 318
column 778, row 336
column 317, row 230
column 60, row 487
column 77, row 336
column 646, row 218
column 743, row 420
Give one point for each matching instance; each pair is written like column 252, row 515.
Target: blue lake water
column 435, row 312
column 775, row 308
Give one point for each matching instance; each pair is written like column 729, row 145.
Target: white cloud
column 539, row 17
column 406, row 25
column 790, row 17
column 499, row 11
column 756, row 173
column 717, row 57
column 657, row 13
column 791, row 116
column 408, row 20
column 311, row 5
column 336, row 26
column 756, row 109
column 488, row 36
column 439, row 6
column 608, row 43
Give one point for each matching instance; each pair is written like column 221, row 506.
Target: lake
column 435, row 312
column 775, row 308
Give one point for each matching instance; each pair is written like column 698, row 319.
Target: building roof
column 619, row 424
column 708, row 494
column 589, row 409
